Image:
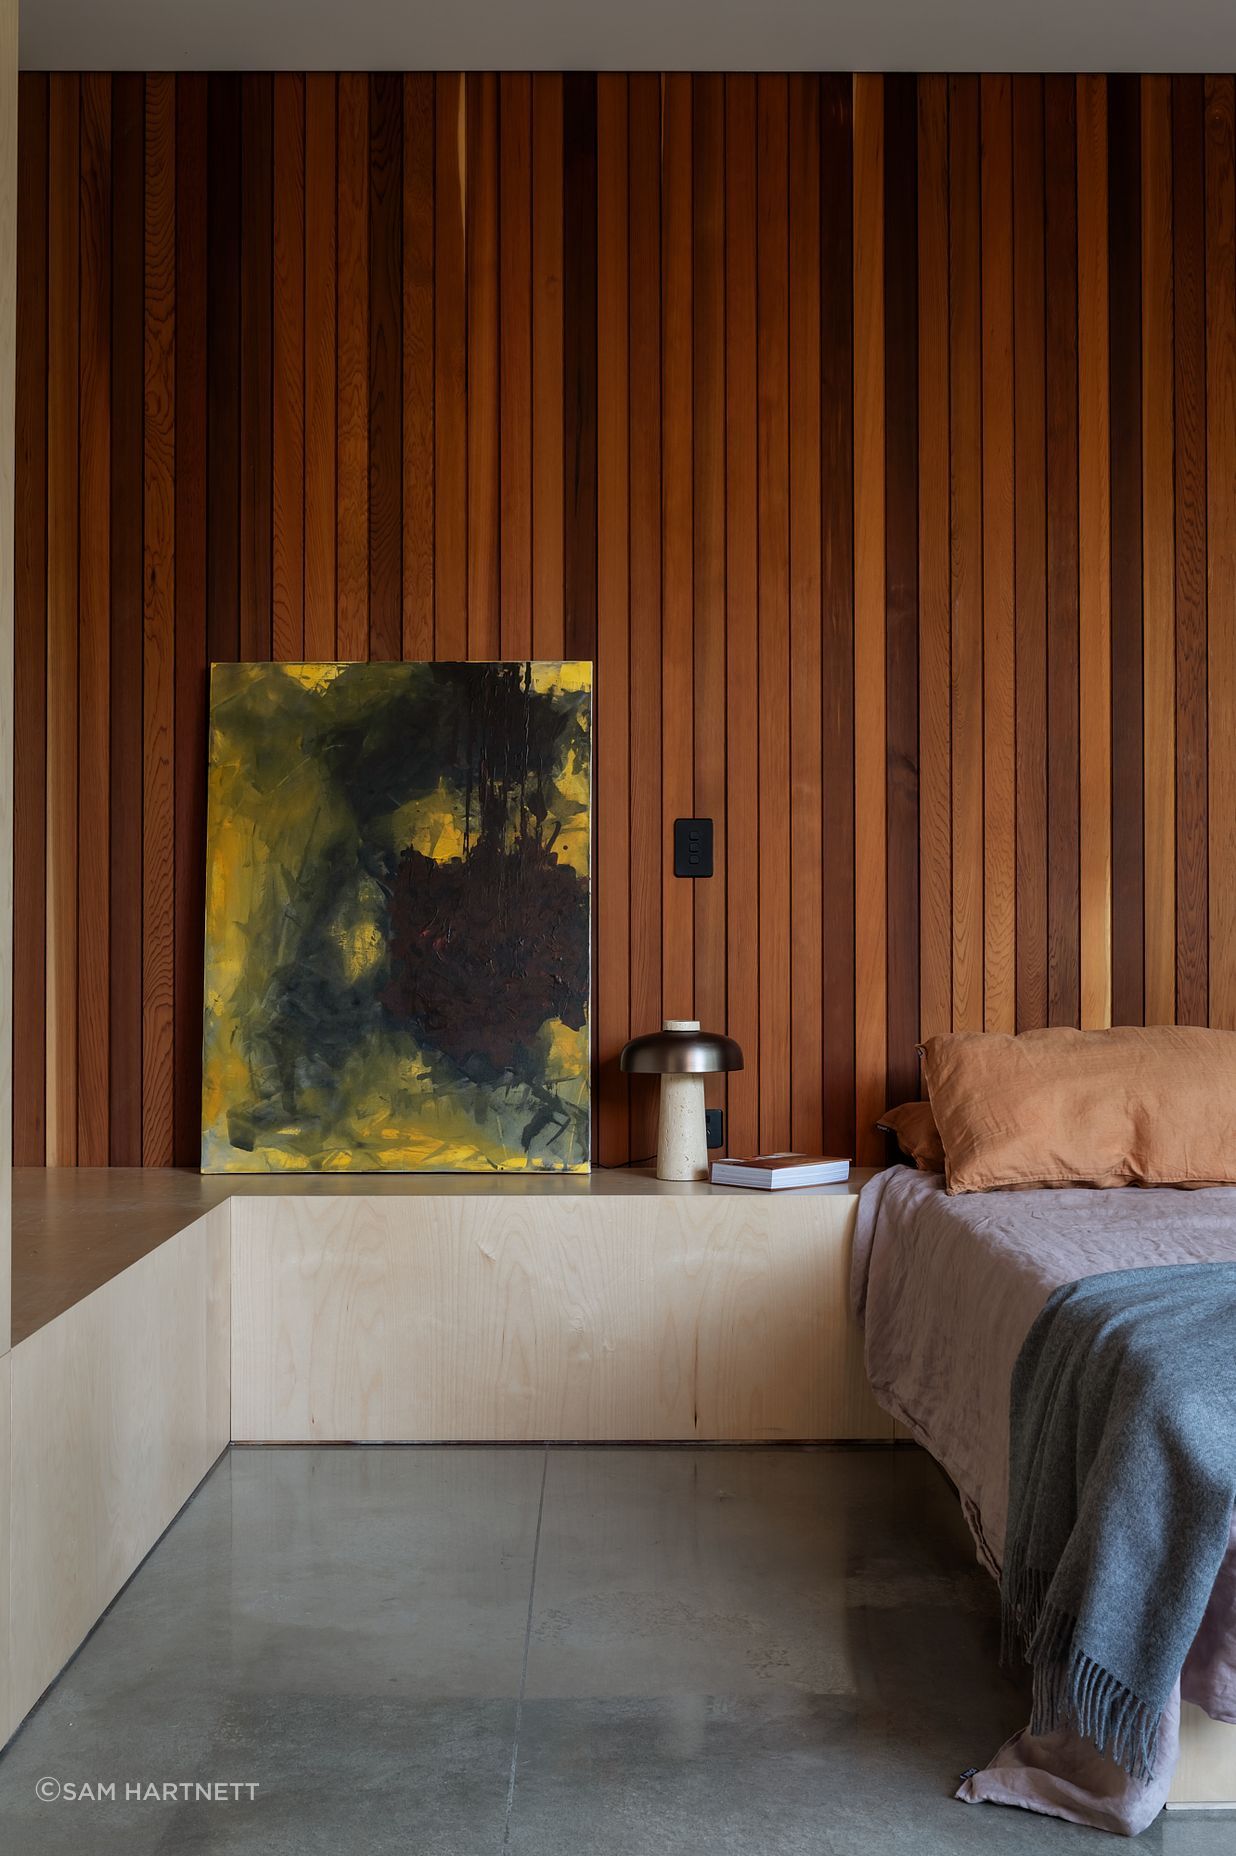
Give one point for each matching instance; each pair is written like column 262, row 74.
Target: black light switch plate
column 692, row 847
column 714, row 1127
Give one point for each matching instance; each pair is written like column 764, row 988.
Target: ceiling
column 732, row 35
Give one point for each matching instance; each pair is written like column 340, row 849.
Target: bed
column 947, row 1288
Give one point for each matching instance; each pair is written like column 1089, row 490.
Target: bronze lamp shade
column 671, row 1053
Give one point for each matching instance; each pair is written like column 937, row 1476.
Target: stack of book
column 770, row 1171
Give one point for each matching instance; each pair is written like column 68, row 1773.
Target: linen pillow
column 1152, row 1106
column 914, row 1127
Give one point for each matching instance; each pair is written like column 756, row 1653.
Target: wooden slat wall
column 875, row 436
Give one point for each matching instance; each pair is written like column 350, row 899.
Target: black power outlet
column 692, row 847
column 714, row 1127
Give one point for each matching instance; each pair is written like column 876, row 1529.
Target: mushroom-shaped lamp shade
column 681, row 1055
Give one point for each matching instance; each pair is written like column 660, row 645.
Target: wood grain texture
column 30, row 630
column 94, row 622
column 920, row 609
column 999, row 716
column 1030, row 550
column 1189, row 328
column 1094, row 554
column 1063, row 743
column 288, row 369
column 256, row 268
column 386, row 201
column 321, row 403
column 644, row 543
column 1158, row 552
column 934, row 570
column 720, row 1321
column 741, row 594
column 708, row 568
column 1221, row 530
column 159, row 630
column 62, row 643
column 678, row 565
column 418, row 410
column 837, row 593
column 126, row 619
column 352, row 369
column 515, row 362
column 966, row 548
column 806, row 633
column 773, row 570
column 481, row 195
column 871, row 933
column 611, row 844
column 192, row 184
column 1125, row 374
column 901, row 581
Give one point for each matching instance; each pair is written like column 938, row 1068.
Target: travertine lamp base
column 682, row 1142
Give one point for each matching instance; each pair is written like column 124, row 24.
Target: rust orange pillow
column 914, row 1127
column 1152, row 1106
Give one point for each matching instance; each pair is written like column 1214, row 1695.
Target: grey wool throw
column 1122, row 1479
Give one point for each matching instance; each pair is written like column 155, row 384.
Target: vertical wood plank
column 1189, row 325
column 901, row 579
column 515, row 361
column 837, row 593
column 159, row 628
column 1094, row 556
column 256, row 247
column 644, row 258
column 708, row 569
column 62, row 667
column 1125, row 289
column 191, row 567
column 288, row 417
column 611, row 775
column 871, row 938
column 418, row 233
column 999, row 733
column 223, row 370
column 1221, row 530
column 741, row 605
column 386, row 367
column 678, row 563
column 482, row 385
column 30, row 634
column 773, row 545
column 93, row 620
column 321, row 400
column 450, row 373
column 579, row 364
column 125, row 651
column 1158, row 551
column 1063, row 762
column 966, row 544
column 547, row 365
column 352, row 369
column 934, row 581
column 1030, row 550
column 806, row 688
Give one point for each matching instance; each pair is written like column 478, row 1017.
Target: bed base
column 1205, row 1777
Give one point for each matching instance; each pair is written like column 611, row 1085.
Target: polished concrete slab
column 452, row 1652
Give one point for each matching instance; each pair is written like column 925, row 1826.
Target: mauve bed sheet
column 947, row 1289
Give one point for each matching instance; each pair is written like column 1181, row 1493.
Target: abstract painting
column 397, row 918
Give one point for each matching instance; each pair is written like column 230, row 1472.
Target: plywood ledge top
column 74, row 1228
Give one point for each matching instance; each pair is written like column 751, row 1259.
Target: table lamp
column 681, row 1055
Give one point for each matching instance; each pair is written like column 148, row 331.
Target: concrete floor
column 459, row 1652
